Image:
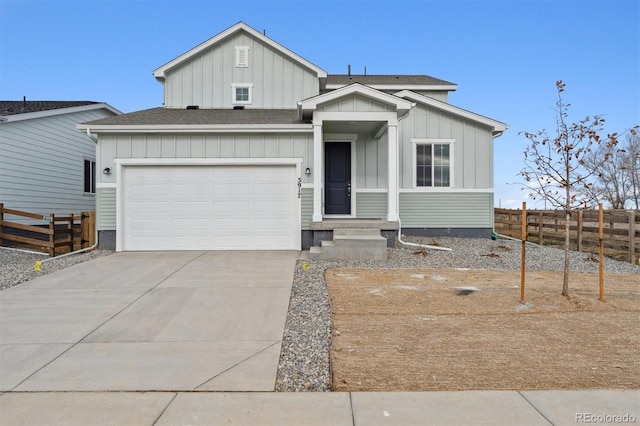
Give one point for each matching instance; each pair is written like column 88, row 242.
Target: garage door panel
column 210, row 208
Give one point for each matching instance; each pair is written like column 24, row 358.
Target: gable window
column 241, row 94
column 432, row 163
column 242, row 56
column 89, row 176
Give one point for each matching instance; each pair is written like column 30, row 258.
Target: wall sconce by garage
column 307, row 171
column 106, row 171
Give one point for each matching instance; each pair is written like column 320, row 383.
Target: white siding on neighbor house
column 472, row 149
column 446, row 210
column 205, row 80
column 42, row 163
column 270, row 145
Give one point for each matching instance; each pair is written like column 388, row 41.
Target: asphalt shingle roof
column 23, row 107
column 174, row 116
column 386, row 79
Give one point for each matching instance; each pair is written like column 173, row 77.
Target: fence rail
column 621, row 230
column 58, row 235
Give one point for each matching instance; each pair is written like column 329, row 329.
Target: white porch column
column 392, row 195
column 318, row 154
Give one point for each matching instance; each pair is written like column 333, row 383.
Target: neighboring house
column 46, row 164
column 258, row 148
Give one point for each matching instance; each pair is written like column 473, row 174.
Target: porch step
column 352, row 244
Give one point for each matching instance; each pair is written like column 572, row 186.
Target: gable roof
column 160, row 72
column 497, row 126
column 402, row 106
column 178, row 120
column 25, row 110
column 386, row 82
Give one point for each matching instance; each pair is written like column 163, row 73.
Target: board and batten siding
column 446, row 209
column 472, row 149
column 205, row 80
column 42, row 163
column 355, row 103
column 124, row 146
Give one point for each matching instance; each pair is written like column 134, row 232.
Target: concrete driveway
column 144, row 321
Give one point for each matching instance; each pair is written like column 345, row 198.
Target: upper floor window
column 242, row 56
column 89, row 176
column 432, row 163
column 241, row 94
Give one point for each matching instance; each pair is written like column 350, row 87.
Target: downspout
column 38, row 265
column 426, row 246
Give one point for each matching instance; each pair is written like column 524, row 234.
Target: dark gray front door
column 337, row 178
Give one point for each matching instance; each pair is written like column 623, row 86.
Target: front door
column 337, row 178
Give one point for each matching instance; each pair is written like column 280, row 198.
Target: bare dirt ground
column 444, row 329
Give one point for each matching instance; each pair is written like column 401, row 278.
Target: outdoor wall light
column 307, row 171
column 106, row 171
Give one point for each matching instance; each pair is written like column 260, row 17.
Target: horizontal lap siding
column 42, row 163
column 106, row 209
column 306, row 207
column 446, row 210
column 371, row 205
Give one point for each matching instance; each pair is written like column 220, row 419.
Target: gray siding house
column 46, row 164
column 258, row 148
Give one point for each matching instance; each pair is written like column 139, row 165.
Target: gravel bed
column 18, row 266
column 304, row 361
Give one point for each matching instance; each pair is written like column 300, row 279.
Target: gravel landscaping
column 17, row 266
column 305, row 362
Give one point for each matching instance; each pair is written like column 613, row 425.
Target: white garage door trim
column 122, row 164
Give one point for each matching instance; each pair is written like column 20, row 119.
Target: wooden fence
column 58, row 235
column 621, row 230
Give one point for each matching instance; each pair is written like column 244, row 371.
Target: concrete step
column 352, row 244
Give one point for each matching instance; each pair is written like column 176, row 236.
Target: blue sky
column 504, row 55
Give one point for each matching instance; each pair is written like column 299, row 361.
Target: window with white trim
column 242, row 56
column 89, row 176
column 241, row 94
column 433, row 165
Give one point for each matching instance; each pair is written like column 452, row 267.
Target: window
column 89, row 176
column 433, row 164
column 241, row 94
column 242, row 56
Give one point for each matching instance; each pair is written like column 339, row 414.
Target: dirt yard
column 444, row 329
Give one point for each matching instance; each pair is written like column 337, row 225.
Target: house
column 46, row 164
column 258, row 148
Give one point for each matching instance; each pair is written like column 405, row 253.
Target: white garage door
column 209, row 208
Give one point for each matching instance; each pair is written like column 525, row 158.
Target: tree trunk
column 567, row 241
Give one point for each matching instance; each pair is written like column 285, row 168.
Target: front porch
column 324, row 231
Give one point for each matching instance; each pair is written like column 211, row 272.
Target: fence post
column 523, row 253
column 52, row 235
column 632, row 236
column 70, row 228
column 1, row 221
column 540, row 227
column 600, row 253
column 579, row 232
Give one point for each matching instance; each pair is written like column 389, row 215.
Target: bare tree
column 555, row 168
column 617, row 181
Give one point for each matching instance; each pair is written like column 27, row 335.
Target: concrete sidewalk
column 260, row 408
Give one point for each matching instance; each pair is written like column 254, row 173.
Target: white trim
column 235, row 86
column 498, row 127
column 445, row 189
column 120, row 163
column 103, row 185
column 449, row 87
column 207, row 161
column 59, row 111
column 373, row 190
column 198, row 128
column 401, row 105
column 390, row 116
column 160, row 72
column 431, row 141
column 351, row 138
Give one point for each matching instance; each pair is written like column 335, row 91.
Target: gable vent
column 242, row 56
